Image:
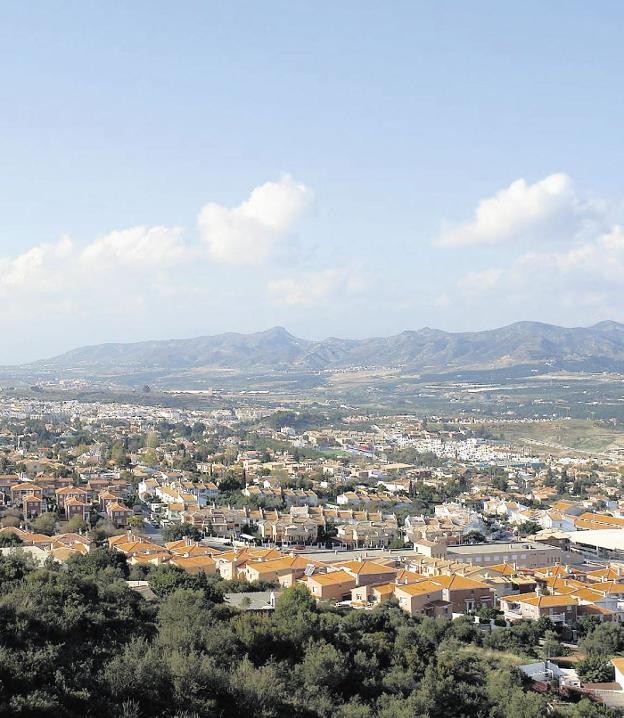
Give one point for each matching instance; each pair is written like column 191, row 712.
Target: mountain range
column 600, row 346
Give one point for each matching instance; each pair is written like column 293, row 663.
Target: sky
column 347, row 169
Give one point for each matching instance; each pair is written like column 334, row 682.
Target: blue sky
column 176, row 169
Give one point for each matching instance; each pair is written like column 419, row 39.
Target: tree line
column 77, row 641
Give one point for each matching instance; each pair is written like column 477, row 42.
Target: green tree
column 595, row 669
column 76, row 523
column 7, row 540
column 180, row 531
column 606, row 639
column 527, row 528
column 44, row 524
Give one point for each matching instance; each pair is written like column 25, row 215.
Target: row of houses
column 43, row 494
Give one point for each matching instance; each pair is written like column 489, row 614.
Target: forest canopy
column 77, row 641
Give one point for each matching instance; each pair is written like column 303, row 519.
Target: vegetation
column 180, row 531
column 7, row 540
column 44, row 524
column 595, row 669
column 79, row 642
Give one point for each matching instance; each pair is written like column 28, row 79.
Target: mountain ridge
column 277, row 349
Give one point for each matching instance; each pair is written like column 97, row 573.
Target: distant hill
column 600, row 346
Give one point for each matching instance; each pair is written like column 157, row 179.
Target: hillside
column 599, row 347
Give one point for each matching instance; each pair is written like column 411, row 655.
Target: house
column 256, row 601
column 532, row 606
column 32, row 506
column 284, row 570
column 195, row 564
column 70, row 492
column 332, row 586
column 24, row 488
column 106, row 498
column 523, row 553
column 423, row 598
column 367, row 573
column 432, row 549
column 75, row 507
column 232, row 564
column 118, row 514
column 465, row 594
column 618, row 665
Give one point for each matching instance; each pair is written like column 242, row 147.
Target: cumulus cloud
column 588, row 274
column 251, row 232
column 547, row 210
column 135, row 247
column 137, row 273
column 37, row 269
column 63, row 265
column 247, row 233
column 315, row 288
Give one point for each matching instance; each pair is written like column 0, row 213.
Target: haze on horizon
column 180, row 171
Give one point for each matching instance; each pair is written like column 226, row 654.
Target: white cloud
column 38, row 269
column 585, row 274
column 315, row 287
column 547, row 210
column 476, row 283
column 246, row 233
column 250, row 232
column 64, row 267
column 135, row 247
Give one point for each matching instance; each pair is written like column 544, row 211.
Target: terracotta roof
column 458, row 582
column 363, row 568
column 417, row 589
column 327, row 579
column 545, row 601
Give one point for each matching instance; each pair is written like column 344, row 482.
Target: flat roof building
column 598, row 544
column 526, row 554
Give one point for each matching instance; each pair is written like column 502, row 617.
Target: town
column 435, row 516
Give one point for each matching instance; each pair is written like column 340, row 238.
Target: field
column 577, row 434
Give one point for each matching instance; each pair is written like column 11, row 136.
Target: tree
column 527, row 528
column 8, row 539
column 326, row 534
column 231, row 483
column 97, row 560
column 473, row 537
column 323, row 666
column 180, row 531
column 76, row 523
column 44, row 524
column 150, row 457
column 136, row 523
column 552, row 646
column 119, row 455
column 165, row 580
column 595, row 669
column 9, row 520
column 605, row 640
